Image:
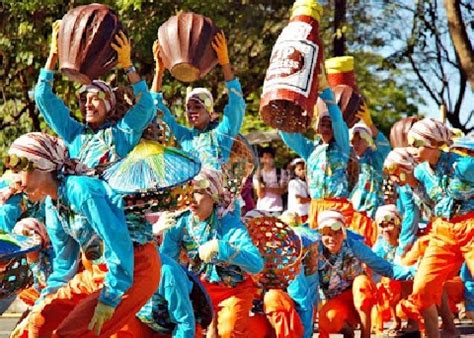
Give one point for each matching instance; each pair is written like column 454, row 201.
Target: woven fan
column 281, row 249
column 310, row 239
column 242, row 162
column 154, row 177
column 15, row 274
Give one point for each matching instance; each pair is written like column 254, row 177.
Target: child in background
column 298, row 194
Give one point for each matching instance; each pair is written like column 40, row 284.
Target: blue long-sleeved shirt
column 450, row 184
column 410, row 218
column 94, row 200
column 173, row 293
column 94, row 147
column 338, row 271
column 99, row 147
column 236, row 248
column 213, row 146
column 367, row 195
column 326, row 163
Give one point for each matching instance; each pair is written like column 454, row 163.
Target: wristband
column 130, row 69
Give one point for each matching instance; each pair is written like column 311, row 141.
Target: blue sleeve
column 468, row 281
column 175, row 288
column 170, row 246
column 383, row 148
column 464, row 169
column 339, row 126
column 301, row 293
column 180, row 132
column 128, row 131
column 10, row 212
column 298, row 143
column 410, row 218
column 234, row 110
column 118, row 248
column 66, row 253
column 379, row 265
column 378, row 248
column 53, row 109
column 238, row 249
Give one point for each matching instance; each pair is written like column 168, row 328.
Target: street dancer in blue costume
column 210, row 141
column 371, row 147
column 98, row 141
column 85, row 305
column 219, row 250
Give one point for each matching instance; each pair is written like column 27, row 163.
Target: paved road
column 8, row 322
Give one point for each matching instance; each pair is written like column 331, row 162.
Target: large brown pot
column 84, row 42
column 185, row 46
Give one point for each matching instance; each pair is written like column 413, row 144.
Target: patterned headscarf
column 211, row 182
column 108, row 96
column 400, row 158
column 364, row 132
column 385, row 212
column 430, row 131
column 46, row 153
column 331, row 219
column 203, row 96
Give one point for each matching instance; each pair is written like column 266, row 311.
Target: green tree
column 251, row 28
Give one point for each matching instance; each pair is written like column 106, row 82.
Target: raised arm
column 180, row 132
column 298, row 143
column 234, row 110
column 51, row 107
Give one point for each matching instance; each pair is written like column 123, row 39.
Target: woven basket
column 15, row 276
column 241, row 164
column 281, row 249
column 15, row 273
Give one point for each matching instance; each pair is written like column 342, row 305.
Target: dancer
column 219, row 250
column 211, row 142
column 68, row 306
column 349, row 291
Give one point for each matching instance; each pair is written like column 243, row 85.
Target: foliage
column 250, row 26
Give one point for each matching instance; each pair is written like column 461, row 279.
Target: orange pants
column 346, row 306
column 232, row 306
column 136, row 329
column 280, row 320
column 451, row 243
column 357, row 221
column 71, row 308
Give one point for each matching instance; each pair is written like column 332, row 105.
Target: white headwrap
column 98, row 86
column 386, row 210
column 433, row 132
column 364, row 132
column 400, row 158
column 331, row 219
column 203, row 96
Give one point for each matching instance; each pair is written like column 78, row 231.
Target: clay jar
column 185, row 46
column 290, row 89
column 84, row 42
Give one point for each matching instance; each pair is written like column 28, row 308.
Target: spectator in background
column 298, row 194
column 270, row 183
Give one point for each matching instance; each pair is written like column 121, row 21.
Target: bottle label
column 293, row 60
